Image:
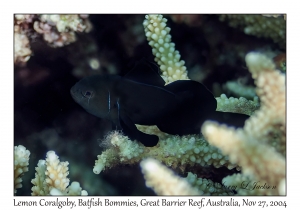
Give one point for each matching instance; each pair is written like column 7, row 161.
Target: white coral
column 163, row 181
column 259, row 148
column 158, row 35
column 21, row 162
column 51, row 178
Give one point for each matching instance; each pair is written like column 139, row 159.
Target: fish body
column 140, row 97
column 111, row 96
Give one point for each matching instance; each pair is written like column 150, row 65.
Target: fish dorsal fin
column 145, row 72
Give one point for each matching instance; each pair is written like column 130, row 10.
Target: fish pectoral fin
column 131, row 130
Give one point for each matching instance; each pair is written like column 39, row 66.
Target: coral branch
column 51, row 178
column 260, row 26
column 241, row 105
column 256, row 159
column 59, row 30
column 21, row 162
column 208, row 187
column 163, row 181
column 172, row 150
column 259, row 148
column 270, row 119
column 158, row 35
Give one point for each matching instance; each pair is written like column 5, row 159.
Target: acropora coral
column 56, row 30
column 259, row 148
column 51, row 177
column 168, row 59
column 21, row 162
column 172, row 150
column 59, row 30
column 273, row 27
column 163, row 180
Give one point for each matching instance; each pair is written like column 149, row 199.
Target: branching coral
column 244, row 185
column 174, row 151
column 252, row 148
column 270, row 120
column 259, row 148
column 51, row 178
column 158, row 35
column 22, row 51
column 21, row 162
column 208, row 187
column 238, row 89
column 57, row 31
column 260, row 26
column 164, row 181
column 235, row 105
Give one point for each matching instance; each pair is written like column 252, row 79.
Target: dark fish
column 140, row 97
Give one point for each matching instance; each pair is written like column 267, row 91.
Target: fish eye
column 87, row 93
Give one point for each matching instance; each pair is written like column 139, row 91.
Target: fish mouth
column 74, row 94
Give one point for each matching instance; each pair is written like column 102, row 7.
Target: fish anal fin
column 131, row 130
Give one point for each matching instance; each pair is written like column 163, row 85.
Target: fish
column 141, row 97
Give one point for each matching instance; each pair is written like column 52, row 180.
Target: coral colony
column 257, row 151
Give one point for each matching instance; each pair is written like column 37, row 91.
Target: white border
column 154, row 6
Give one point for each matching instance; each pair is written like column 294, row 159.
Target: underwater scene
column 138, row 105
